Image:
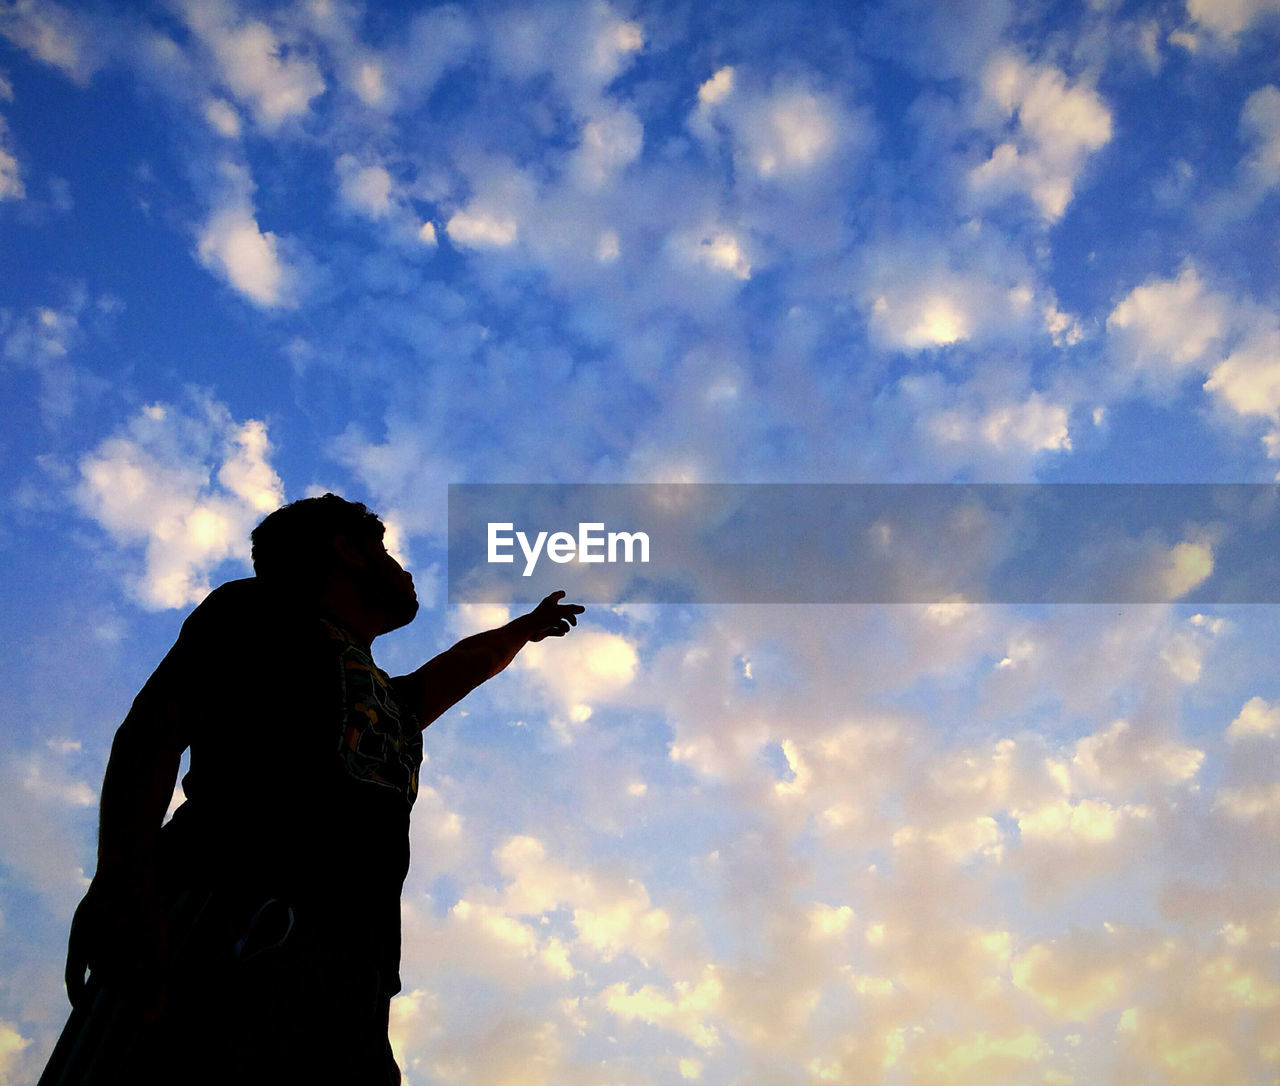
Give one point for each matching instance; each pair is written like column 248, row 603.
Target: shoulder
column 247, row 602
column 240, row 626
column 249, row 615
column 242, row 593
column 230, row 604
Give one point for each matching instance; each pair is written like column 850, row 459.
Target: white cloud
column 616, row 40
column 408, row 1010
column 717, row 88
column 46, row 788
column 1075, row 978
column 717, row 249
column 1123, row 759
column 1229, row 17
column 1248, row 379
column 406, row 475
column 43, row 339
column 479, row 923
column 186, row 484
column 827, row 920
column 1051, row 129
column 1035, row 425
column 724, row 251
column 611, row 915
column 397, row 74
column 610, row 141
column 479, row 228
column 684, row 1012
column 978, row 1058
column 233, row 245
column 54, row 35
column 222, row 118
column 436, row 40
column 470, row 618
column 370, row 83
column 918, row 301
column 11, row 186
column 1260, row 127
column 366, row 189
column 790, row 133
column 935, row 320
column 1250, row 801
column 584, row 47
column 12, row 1043
column 275, row 79
column 957, row 842
column 916, row 830
column 986, row 423
column 1188, row 564
column 1258, row 719
column 784, row 134
column 46, row 333
column 592, row 665
column 1083, row 823
column 246, row 472
column 1064, row 329
column 1180, row 1038
column 1169, row 325
column 550, row 923
column 507, row 1049
column 608, row 249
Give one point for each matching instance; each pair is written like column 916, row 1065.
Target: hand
column 551, row 618
column 120, row 935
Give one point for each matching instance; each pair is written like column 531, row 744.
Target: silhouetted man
column 257, row 938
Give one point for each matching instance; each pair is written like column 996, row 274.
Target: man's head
column 308, row 546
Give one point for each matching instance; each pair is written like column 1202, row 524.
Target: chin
column 403, row 614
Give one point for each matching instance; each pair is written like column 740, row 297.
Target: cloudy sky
column 252, row 251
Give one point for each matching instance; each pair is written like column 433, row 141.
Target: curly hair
column 293, row 545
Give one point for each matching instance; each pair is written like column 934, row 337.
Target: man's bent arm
column 119, row 929
column 141, row 774
column 446, row 679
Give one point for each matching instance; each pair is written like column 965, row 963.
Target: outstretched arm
column 445, row 679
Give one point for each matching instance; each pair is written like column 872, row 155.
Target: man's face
column 386, row 586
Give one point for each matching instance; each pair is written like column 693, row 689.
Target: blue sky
column 255, row 251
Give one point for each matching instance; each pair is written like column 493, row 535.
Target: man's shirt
column 304, row 769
